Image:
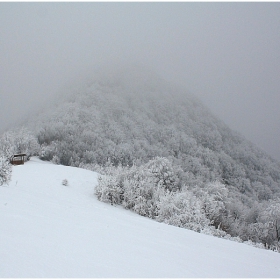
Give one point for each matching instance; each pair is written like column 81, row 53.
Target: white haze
column 225, row 53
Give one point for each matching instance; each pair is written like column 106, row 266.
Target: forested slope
column 129, row 119
column 165, row 155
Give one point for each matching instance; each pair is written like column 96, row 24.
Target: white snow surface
column 54, row 231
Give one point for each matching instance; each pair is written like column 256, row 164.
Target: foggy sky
column 228, row 54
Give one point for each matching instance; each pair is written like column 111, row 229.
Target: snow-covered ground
column 51, row 230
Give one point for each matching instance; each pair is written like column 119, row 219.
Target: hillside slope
column 52, row 230
column 131, row 116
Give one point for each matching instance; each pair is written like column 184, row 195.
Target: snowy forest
column 160, row 153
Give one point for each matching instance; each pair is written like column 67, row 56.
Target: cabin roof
column 19, row 155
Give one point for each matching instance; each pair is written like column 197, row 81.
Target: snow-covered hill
column 52, row 230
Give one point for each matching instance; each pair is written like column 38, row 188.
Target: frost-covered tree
column 182, row 209
column 139, row 188
column 5, row 170
column 141, row 192
column 109, row 190
column 6, row 144
column 213, row 197
column 163, row 173
column 270, row 216
column 19, row 141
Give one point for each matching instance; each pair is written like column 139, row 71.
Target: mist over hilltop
column 225, row 53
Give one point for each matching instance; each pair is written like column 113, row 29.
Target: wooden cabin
column 18, row 159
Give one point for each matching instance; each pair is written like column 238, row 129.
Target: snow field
column 52, row 230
